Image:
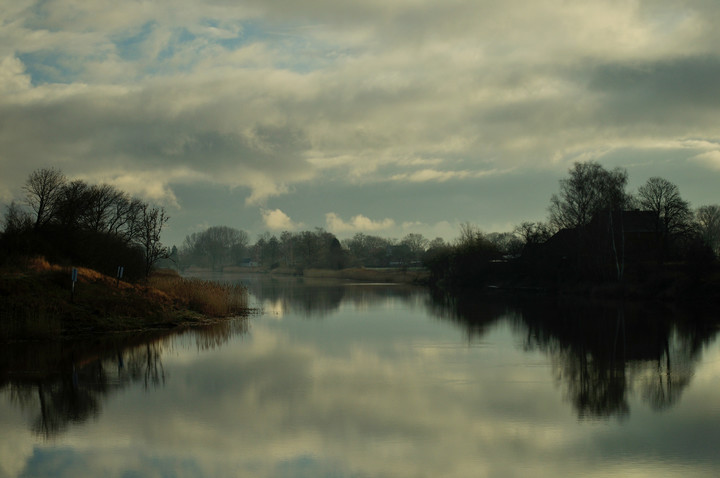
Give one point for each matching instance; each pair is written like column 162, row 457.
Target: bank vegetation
column 39, row 300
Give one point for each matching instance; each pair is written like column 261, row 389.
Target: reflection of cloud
column 367, row 394
column 273, row 308
column 289, row 400
column 16, row 442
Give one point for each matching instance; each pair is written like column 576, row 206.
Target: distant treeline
column 76, row 223
column 595, row 231
column 222, row 246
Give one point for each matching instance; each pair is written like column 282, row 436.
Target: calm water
column 350, row 380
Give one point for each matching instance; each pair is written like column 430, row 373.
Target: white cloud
column 709, row 159
column 13, row 78
column 358, row 223
column 277, row 220
column 264, row 96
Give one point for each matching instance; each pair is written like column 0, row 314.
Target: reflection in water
column 315, row 298
column 61, row 383
column 391, row 382
column 601, row 353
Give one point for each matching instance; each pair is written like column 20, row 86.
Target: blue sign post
column 73, row 276
column 120, row 271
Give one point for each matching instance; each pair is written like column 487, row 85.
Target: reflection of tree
column 63, row 383
column 208, row 338
column 142, row 364
column 595, row 388
column 662, row 381
column 316, row 298
column 604, row 353
column 601, row 353
column 74, row 390
column 475, row 313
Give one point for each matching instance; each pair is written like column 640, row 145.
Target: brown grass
column 206, row 297
column 36, row 302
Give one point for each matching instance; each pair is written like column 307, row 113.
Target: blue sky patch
column 50, row 67
column 130, row 47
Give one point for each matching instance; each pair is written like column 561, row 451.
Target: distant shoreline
column 417, row 276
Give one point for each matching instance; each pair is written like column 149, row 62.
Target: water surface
column 337, row 379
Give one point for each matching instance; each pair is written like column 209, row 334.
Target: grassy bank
column 36, row 302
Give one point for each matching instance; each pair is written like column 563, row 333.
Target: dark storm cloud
column 685, row 86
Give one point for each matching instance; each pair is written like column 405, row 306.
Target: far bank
column 361, row 274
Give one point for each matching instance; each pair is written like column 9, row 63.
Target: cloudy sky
column 383, row 117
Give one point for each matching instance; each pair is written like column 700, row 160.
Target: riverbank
column 38, row 301
column 669, row 282
column 360, row 274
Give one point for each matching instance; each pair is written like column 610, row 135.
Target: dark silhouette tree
column 533, row 232
column 589, row 190
column 672, row 212
column 708, row 220
column 150, row 225
column 42, row 189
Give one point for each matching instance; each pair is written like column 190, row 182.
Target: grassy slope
column 36, row 302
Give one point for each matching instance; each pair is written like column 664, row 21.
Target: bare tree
column 41, row 191
column 589, row 189
column 672, row 212
column 16, row 219
column 72, row 203
column 708, row 219
column 216, row 246
column 102, row 207
column 150, row 225
column 469, row 234
column 416, row 244
column 533, row 232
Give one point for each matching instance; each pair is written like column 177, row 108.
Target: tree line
column 103, row 227
column 222, row 246
column 93, row 225
column 594, row 230
column 592, row 208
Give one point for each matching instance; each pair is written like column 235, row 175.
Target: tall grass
column 206, row 297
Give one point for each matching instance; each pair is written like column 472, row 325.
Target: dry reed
column 206, row 297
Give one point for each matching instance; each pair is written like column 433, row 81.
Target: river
column 341, row 379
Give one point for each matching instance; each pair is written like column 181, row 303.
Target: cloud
column 13, row 78
column 358, row 223
column 261, row 97
column 425, row 175
column 709, row 159
column 277, row 220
